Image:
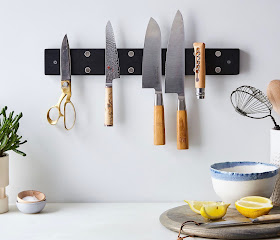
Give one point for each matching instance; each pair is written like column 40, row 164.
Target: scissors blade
column 65, row 60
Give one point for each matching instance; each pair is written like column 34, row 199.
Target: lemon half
column 253, row 206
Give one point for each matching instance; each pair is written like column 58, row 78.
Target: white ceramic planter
column 4, row 182
column 275, row 159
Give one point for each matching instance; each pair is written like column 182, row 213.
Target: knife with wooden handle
column 112, row 70
column 175, row 76
column 273, row 218
column 199, row 52
column 151, row 77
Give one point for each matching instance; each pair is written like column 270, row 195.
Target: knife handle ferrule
column 181, row 103
column 158, row 99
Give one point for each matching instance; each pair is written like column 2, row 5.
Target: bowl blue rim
column 217, row 173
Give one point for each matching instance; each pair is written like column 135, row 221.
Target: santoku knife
column 175, row 76
column 274, row 218
column 151, row 71
column 112, row 70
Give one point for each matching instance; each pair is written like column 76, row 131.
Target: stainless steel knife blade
column 227, row 223
column 175, row 58
column 151, row 74
column 65, row 60
column 112, row 67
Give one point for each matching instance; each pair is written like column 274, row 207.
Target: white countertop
column 89, row 221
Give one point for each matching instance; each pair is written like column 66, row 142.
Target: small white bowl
column 35, row 207
column 234, row 180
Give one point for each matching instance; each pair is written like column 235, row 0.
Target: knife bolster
column 158, row 99
column 181, row 103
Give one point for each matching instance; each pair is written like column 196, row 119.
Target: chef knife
column 175, row 76
column 274, row 218
column 199, row 52
column 112, row 70
column 151, row 77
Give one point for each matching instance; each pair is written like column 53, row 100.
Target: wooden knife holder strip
column 223, row 61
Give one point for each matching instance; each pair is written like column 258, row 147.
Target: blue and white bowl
column 234, row 180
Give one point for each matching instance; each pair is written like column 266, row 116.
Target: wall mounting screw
column 218, row 69
column 54, row 62
column 218, row 53
column 87, row 70
column 130, row 70
column 130, row 53
column 87, row 54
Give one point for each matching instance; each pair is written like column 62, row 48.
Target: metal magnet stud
column 87, row 70
column 130, row 53
column 54, row 62
column 228, row 62
column 87, row 53
column 218, row 53
column 130, row 70
column 218, row 69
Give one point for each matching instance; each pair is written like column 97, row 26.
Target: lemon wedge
column 253, row 206
column 214, row 211
column 197, row 205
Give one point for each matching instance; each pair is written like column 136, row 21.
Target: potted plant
column 9, row 140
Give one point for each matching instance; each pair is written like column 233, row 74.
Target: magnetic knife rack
column 219, row 61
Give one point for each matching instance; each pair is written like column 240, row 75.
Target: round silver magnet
column 218, row 69
column 130, row 53
column 87, row 69
column 130, row 70
column 218, row 53
column 87, row 53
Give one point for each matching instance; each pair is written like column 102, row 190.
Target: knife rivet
column 218, row 53
column 87, row 53
column 87, row 70
column 130, row 70
column 65, row 84
column 218, row 69
column 54, row 62
column 130, row 53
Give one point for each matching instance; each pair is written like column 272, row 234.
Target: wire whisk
column 251, row 102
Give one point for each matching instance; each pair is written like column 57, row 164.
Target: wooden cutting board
column 173, row 218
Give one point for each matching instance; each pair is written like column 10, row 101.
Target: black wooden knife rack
column 223, row 61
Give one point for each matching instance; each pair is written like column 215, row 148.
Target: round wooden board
column 173, row 218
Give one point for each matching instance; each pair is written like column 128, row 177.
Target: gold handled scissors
column 65, row 86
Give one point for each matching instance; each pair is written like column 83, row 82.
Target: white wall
column 92, row 163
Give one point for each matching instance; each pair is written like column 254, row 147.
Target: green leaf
column 19, row 152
